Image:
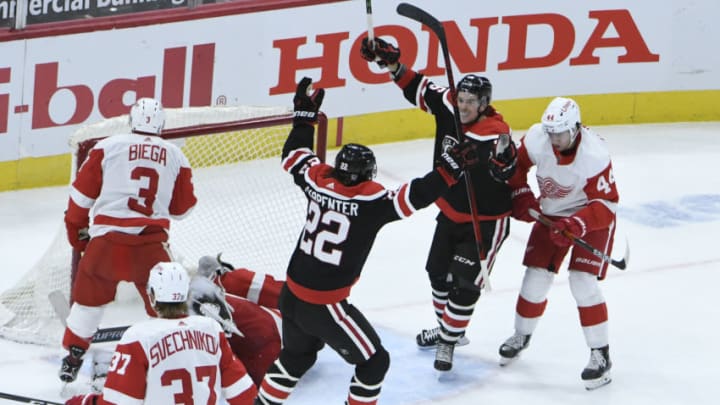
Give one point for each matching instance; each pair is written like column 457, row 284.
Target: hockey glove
column 503, row 159
column 306, row 105
column 523, row 200
column 460, row 157
column 573, row 225
column 77, row 236
column 381, row 52
column 87, row 399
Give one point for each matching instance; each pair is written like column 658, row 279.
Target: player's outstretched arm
column 306, row 106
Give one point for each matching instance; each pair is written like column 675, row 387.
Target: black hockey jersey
column 342, row 221
column 492, row 198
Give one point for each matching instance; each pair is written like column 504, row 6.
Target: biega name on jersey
column 325, row 201
column 155, row 153
column 183, row 340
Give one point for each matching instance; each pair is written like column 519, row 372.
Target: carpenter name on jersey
column 330, row 203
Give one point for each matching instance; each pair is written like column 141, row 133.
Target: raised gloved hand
column 306, row 106
column 574, row 225
column 379, row 51
column 460, row 157
column 77, row 235
column 87, row 399
column 503, row 159
column 523, row 200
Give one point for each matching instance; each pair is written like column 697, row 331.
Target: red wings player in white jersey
column 131, row 185
column 249, row 301
column 578, row 192
column 178, row 357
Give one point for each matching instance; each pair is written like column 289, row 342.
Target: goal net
column 248, row 208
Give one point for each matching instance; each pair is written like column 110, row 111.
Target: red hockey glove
column 571, row 224
column 87, row 399
column 460, row 157
column 306, row 105
column 523, row 200
column 503, row 159
column 382, row 52
column 77, row 236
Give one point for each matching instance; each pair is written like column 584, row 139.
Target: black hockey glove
column 503, row 159
column 306, row 105
column 382, row 52
column 460, row 157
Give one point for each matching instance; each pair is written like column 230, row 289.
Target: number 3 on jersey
column 330, row 227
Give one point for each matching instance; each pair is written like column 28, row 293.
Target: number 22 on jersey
column 322, row 228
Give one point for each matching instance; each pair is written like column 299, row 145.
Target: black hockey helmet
column 477, row 85
column 354, row 164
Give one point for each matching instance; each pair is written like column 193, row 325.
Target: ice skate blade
column 444, row 376
column 598, row 382
column 504, row 361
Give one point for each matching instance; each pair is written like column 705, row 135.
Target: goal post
column 248, row 208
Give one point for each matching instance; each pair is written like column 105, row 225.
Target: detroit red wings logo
column 551, row 189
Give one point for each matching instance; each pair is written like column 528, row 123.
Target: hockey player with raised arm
column 578, row 192
column 346, row 209
column 131, row 185
column 176, row 357
column 453, row 265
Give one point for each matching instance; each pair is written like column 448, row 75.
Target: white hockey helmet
column 562, row 114
column 147, row 116
column 168, row 282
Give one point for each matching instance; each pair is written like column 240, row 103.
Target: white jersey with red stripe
column 130, row 181
column 188, row 359
column 569, row 183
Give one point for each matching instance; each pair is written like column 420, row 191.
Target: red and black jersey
column 492, row 197
column 342, row 221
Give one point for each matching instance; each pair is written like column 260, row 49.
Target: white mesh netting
column 248, row 209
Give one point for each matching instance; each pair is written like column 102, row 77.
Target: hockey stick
column 421, row 16
column 62, row 310
column 620, row 264
column 371, row 31
column 28, row 400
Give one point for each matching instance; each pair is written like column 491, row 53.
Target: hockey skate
column 510, row 350
column 71, row 364
column 444, row 356
column 428, row 339
column 597, row 372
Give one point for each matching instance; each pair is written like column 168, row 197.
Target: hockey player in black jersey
column 345, row 211
column 456, row 277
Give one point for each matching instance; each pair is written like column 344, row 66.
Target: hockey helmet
column 477, row 85
column 561, row 115
column 168, row 283
column 354, row 164
column 147, row 116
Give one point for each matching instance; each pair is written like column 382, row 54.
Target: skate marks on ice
column 411, row 378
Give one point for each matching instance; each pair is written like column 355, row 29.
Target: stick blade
column 423, row 17
column 622, row 264
column 60, row 305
